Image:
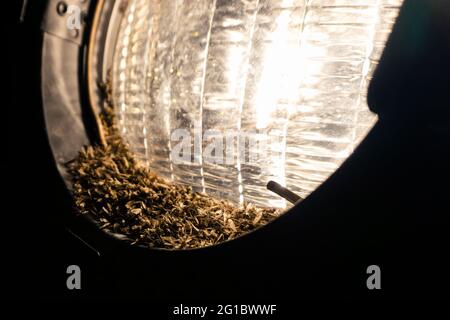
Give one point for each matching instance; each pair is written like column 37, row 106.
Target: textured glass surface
column 292, row 72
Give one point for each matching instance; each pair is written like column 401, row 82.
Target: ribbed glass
column 290, row 73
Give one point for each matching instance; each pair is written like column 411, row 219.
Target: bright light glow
column 292, row 72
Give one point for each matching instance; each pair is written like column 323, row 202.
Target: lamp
column 264, row 90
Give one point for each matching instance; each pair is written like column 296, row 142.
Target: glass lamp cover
column 252, row 90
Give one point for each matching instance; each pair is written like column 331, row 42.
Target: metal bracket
column 65, row 19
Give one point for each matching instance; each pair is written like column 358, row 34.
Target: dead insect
column 126, row 198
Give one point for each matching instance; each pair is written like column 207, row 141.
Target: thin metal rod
column 283, row 192
column 84, row 242
column 23, row 11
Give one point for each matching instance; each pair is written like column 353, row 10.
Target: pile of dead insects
column 125, row 197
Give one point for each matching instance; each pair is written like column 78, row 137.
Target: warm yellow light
column 287, row 77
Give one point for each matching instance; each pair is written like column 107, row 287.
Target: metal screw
column 74, row 33
column 61, row 8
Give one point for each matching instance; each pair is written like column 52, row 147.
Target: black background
column 387, row 205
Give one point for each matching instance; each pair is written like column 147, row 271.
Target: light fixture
column 291, row 75
column 374, row 208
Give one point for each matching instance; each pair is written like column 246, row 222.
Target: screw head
column 61, row 8
column 74, row 33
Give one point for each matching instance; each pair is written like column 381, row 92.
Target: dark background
column 387, row 205
column 34, row 195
